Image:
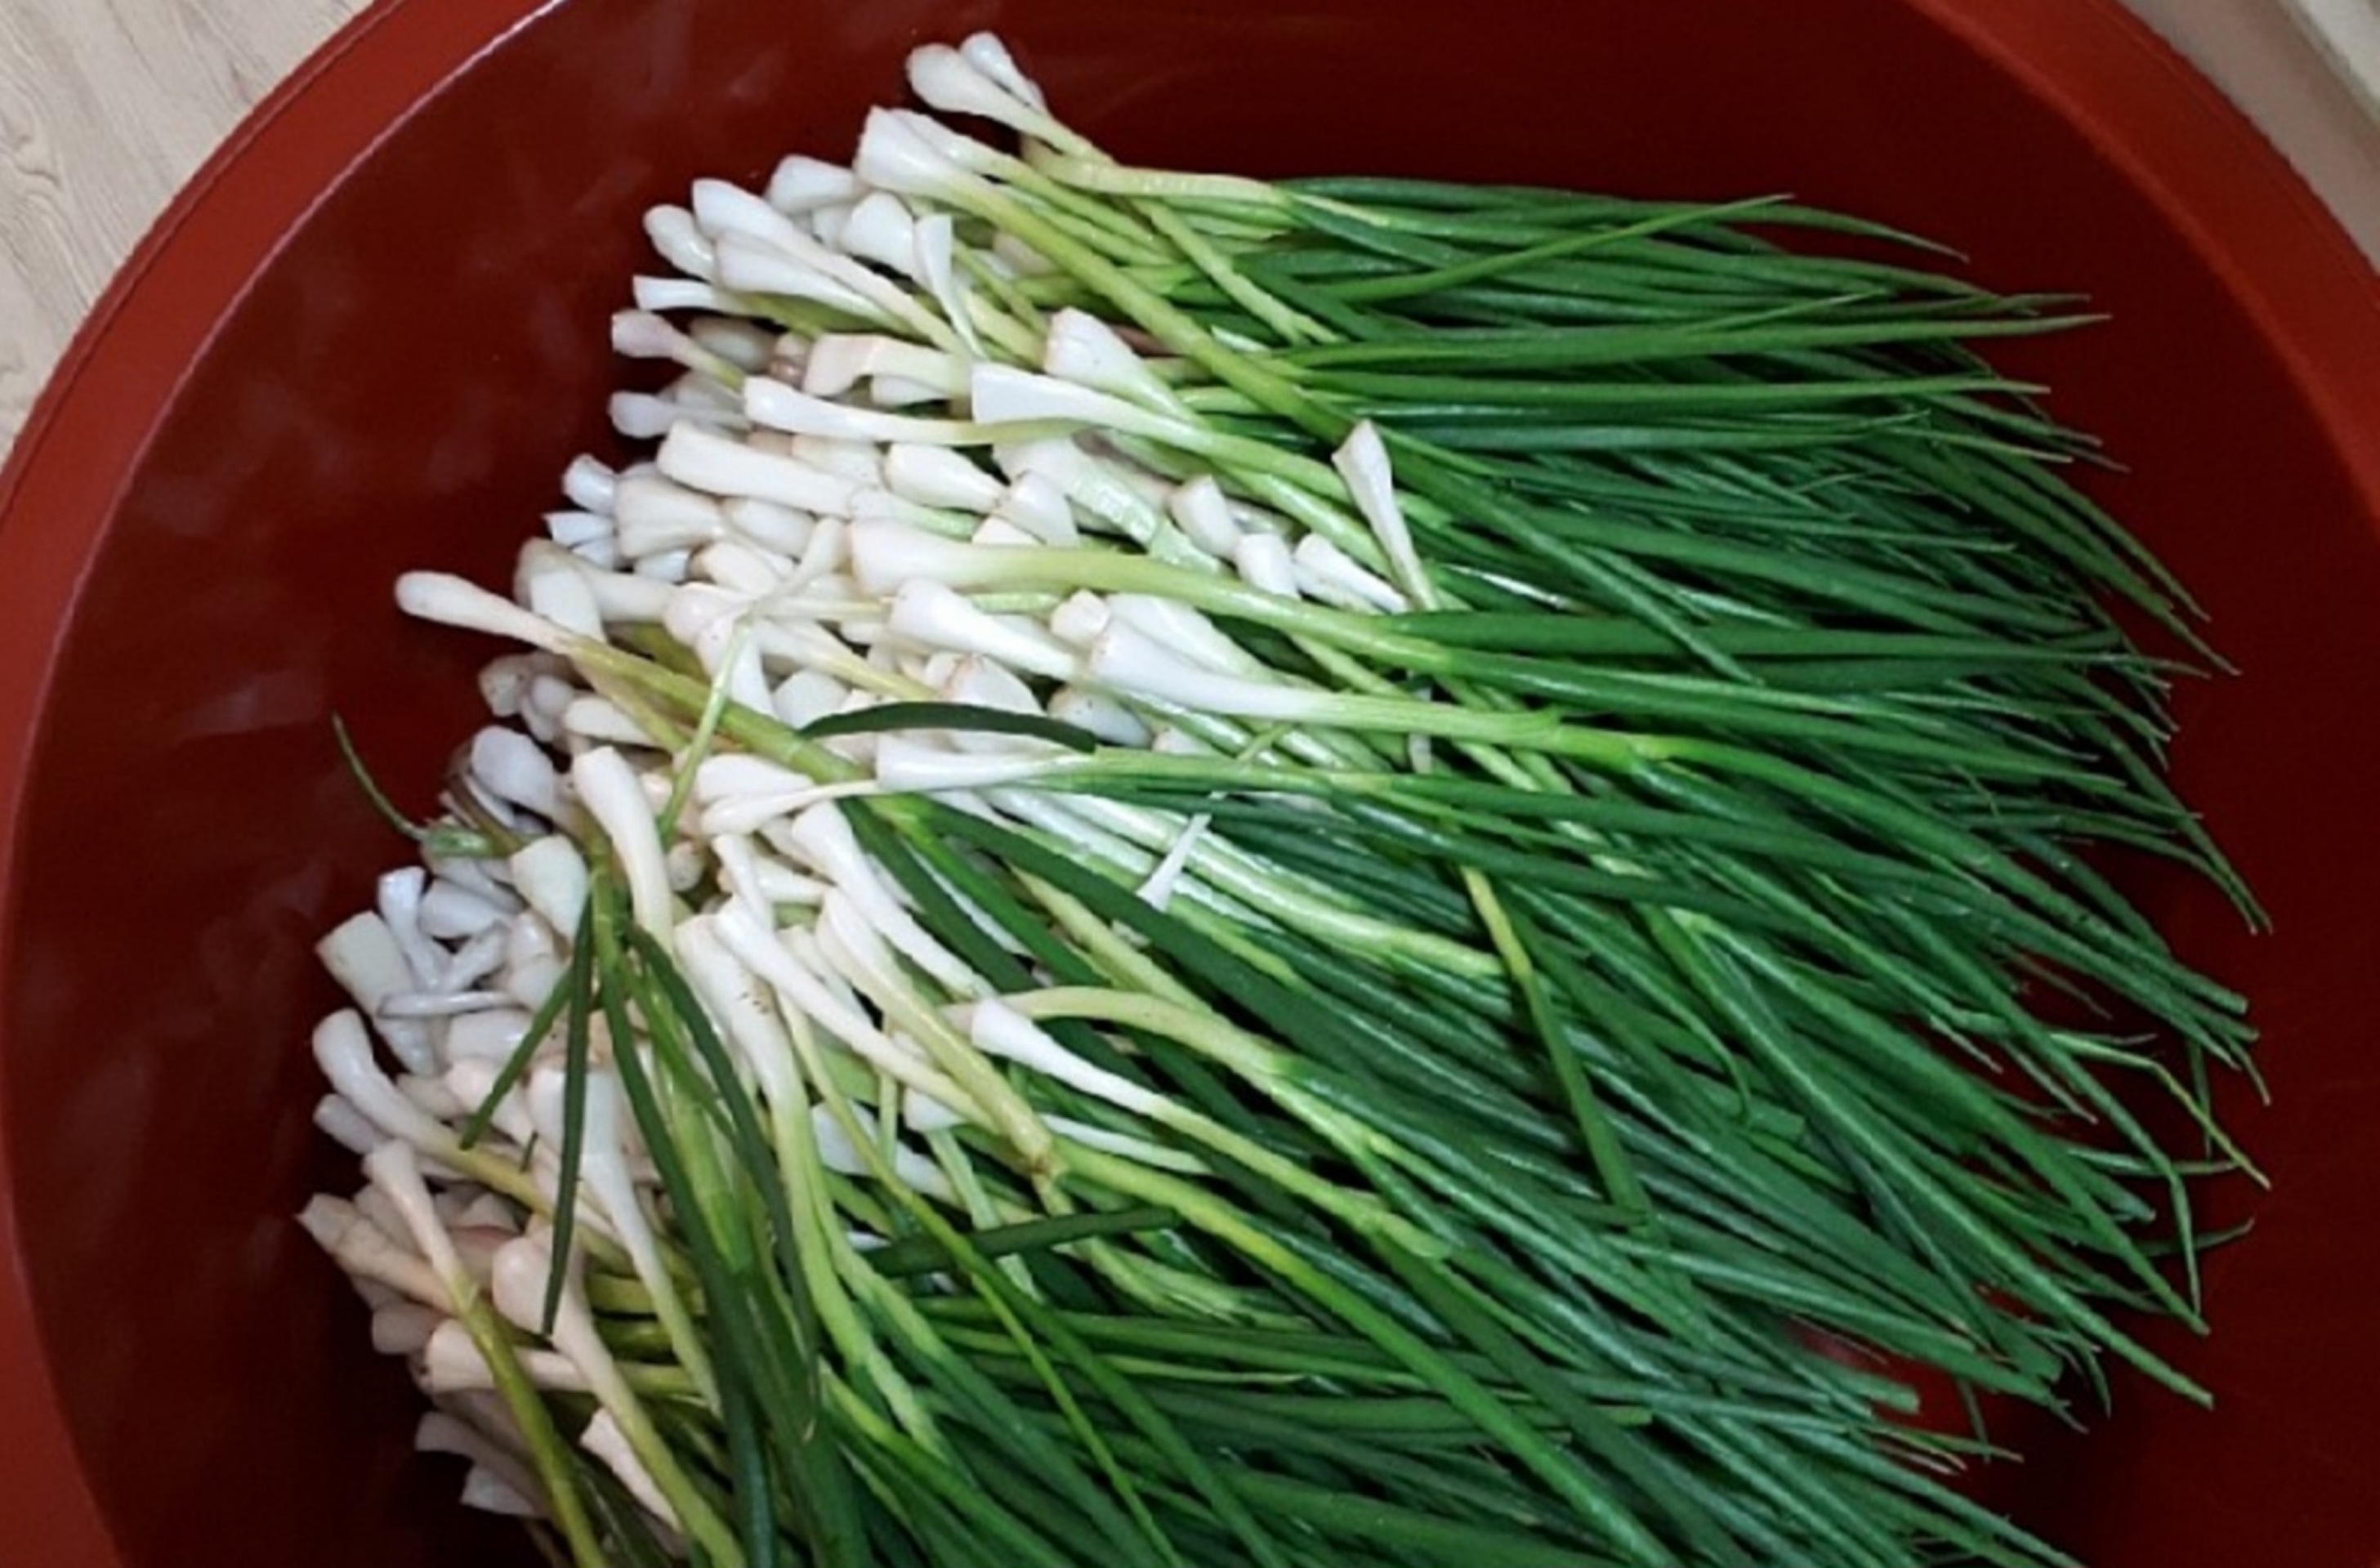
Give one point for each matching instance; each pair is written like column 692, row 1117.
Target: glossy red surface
column 372, row 332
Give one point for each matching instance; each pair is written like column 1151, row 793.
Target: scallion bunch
column 1348, row 871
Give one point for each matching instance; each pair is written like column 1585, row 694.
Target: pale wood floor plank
column 106, row 106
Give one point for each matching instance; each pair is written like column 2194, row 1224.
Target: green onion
column 1353, row 871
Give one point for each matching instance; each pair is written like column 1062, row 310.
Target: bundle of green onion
column 1347, row 872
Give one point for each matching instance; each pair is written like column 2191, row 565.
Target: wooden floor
column 107, row 105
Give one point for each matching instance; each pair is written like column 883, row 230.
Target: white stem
column 452, row 1363
column 336, row 1118
column 424, row 1006
column 395, row 1171
column 368, row 1254
column 739, row 1001
column 1189, row 631
column 882, row 229
column 936, row 476
column 823, row 836
column 511, row 767
column 1039, row 504
column 766, row 882
column 681, row 242
column 523, row 1272
column 473, row 1079
column 364, row 955
column 911, row 765
column 654, row 515
column 826, row 221
column 782, row 530
column 344, row 1051
column 1157, row 890
column 716, row 625
column 904, row 392
column 897, row 154
column 679, row 294
column 840, row 361
column 1363, row 461
column 747, row 345
column 1265, row 561
column 1004, row 394
column 485, row 1491
column 925, row 1115
column 999, row 533
column 606, row 1441
column 602, row 1159
column 1127, row 661
column 581, row 531
column 1143, row 1152
column 988, row 55
column 930, row 615
column 440, row 1432
column 505, row 682
column 644, row 416
column 748, row 573
column 806, row 995
column 756, row 266
column 533, row 963
column 1086, row 350
column 590, row 484
column 451, row 600
column 1330, row 575
column 482, row 953
column 553, row 878
column 645, row 334
column 490, row 1036
column 886, row 555
column 1080, row 618
column 772, row 403
column 986, row 683
column 910, row 1169
column 1203, row 512
column 706, row 461
column 997, row 1029
column 721, row 208
column 614, row 795
column 807, row 696
column 802, row 184
column 1105, row 489
column 947, row 80
column 861, row 462
column 596, row 721
column 556, row 585
column 935, row 242
column 397, row 895
column 1101, row 714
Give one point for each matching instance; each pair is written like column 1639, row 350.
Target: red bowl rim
column 112, row 391
column 2229, row 193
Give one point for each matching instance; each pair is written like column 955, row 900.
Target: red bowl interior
column 373, row 332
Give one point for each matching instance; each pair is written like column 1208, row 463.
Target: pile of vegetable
column 1353, row 872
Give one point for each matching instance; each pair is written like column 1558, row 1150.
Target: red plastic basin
column 373, row 331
